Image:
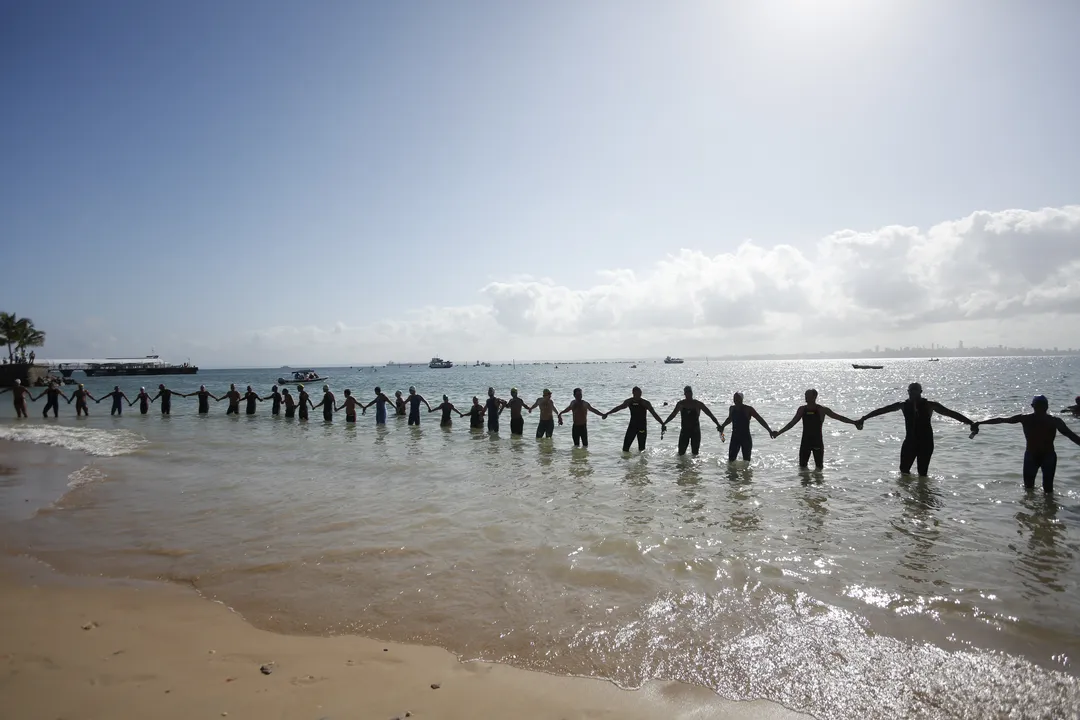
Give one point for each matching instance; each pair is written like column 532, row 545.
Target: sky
column 265, row 183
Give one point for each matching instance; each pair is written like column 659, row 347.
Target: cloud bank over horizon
column 1008, row 277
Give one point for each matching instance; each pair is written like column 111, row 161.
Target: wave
column 85, row 475
column 92, row 441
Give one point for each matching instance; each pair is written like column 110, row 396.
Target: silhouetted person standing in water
column 546, row 426
column 327, row 404
column 690, row 411
column 414, row 406
column 79, row 396
column 446, row 407
column 275, row 395
column 739, row 416
column 1040, row 429
column 380, row 402
column 349, row 404
column 579, row 431
column 517, row 421
column 290, row 403
column 476, row 415
column 166, row 399
column 251, row 397
column 233, row 396
column 204, row 396
column 494, row 407
column 53, row 394
column 144, row 401
column 304, row 402
column 1074, row 408
column 117, row 395
column 639, row 422
column 18, row 394
column 813, row 418
column 918, row 443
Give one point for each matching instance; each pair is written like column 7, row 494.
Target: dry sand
column 76, row 649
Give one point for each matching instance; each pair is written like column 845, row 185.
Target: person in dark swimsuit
column 304, row 402
column 233, row 396
column 79, row 396
column 399, row 405
column 204, row 396
column 414, row 406
column 690, row 411
column 494, row 407
column 1074, row 408
column 290, row 403
column 813, row 417
column 19, row 394
column 1040, row 430
column 349, row 405
column 251, row 397
column 166, row 399
column 117, row 395
column 739, row 416
column 380, row 403
column 144, row 401
column 53, row 394
column 275, row 395
column 327, row 404
column 446, row 408
column 517, row 421
column 579, row 431
column 476, row 414
column 918, row 445
column 546, row 426
column 638, row 427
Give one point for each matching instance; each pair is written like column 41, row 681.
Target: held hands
column 974, row 430
column 859, row 423
column 560, row 419
column 774, row 434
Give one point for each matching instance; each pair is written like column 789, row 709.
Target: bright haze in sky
column 261, row 183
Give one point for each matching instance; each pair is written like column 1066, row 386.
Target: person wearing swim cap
column 546, row 426
column 1074, row 408
column 690, row 421
column 380, row 402
column 19, row 394
column 166, row 399
column 250, row 398
column 638, row 428
column 117, row 395
column 53, row 393
column 204, row 396
column 80, row 396
column 327, row 404
column 918, row 442
column 446, row 407
column 414, row 406
column 813, row 421
column 493, row 407
column 1040, row 430
column 739, row 416
column 517, row 421
column 144, row 401
column 304, row 402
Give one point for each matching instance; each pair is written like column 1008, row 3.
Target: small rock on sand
column 267, row 668
column 435, row 686
column 90, row 626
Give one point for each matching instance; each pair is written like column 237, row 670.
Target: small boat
column 438, row 362
column 867, row 367
column 673, row 360
column 934, row 360
column 633, row 366
column 303, row 376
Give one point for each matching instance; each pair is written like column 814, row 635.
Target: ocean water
column 852, row 592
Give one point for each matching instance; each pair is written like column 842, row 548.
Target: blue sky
column 341, row 182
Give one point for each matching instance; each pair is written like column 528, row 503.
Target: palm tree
column 18, row 333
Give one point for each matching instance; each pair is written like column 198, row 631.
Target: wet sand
column 74, row 648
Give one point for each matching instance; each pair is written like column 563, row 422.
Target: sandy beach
column 76, row 649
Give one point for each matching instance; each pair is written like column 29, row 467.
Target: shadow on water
column 579, row 463
column 919, row 522
column 545, row 454
column 1045, row 558
column 814, row 502
column 639, row 500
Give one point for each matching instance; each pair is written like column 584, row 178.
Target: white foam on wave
column 85, row 475
column 93, row 441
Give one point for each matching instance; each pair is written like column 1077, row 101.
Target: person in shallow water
column 290, row 403
column 517, row 421
column 446, row 407
column 275, row 395
column 233, row 396
column 399, row 405
column 380, row 402
column 918, row 445
column 117, row 396
column 579, row 431
column 251, row 397
column 690, row 421
column 349, row 405
column 79, row 396
column 546, row 426
column 638, row 427
column 304, row 402
column 53, row 394
column 813, row 417
column 166, row 398
column 144, row 401
column 476, row 414
column 414, row 406
column 204, row 396
column 1074, row 408
column 19, row 392
column 494, row 407
column 327, row 404
column 1040, row 430
column 739, row 416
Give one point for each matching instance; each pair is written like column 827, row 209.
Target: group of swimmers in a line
column 1040, row 428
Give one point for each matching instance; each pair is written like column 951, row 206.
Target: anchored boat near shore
column 149, row 365
column 673, row 360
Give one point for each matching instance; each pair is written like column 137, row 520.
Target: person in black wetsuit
column 251, row 397
column 476, row 414
column 1074, row 408
column 144, row 401
column 739, row 416
column 327, row 404
column 53, row 394
column 380, row 402
column 919, row 441
column 494, row 407
column 414, row 406
column 399, row 405
column 579, row 431
column 117, row 395
column 204, row 396
column 813, row 417
column 275, row 395
column 447, row 407
column 639, row 420
column 290, row 403
column 349, row 405
column 1040, row 430
column 690, row 411
column 233, row 396
column 79, row 396
column 517, row 422
column 304, row 401
column 166, row 399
